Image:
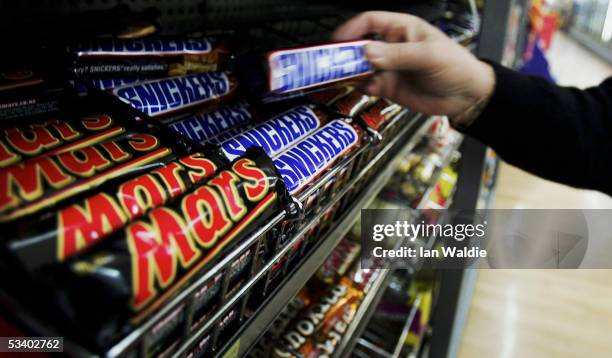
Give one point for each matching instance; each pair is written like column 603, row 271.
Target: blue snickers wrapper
column 175, row 94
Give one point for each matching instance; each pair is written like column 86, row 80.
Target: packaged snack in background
column 27, row 92
column 377, row 116
column 178, row 94
column 166, row 334
column 352, row 104
column 153, row 258
column 146, row 57
column 339, row 261
column 285, row 73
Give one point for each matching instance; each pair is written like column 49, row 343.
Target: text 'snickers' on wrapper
column 84, row 223
column 307, row 159
column 170, row 95
column 44, row 181
column 208, row 124
column 276, row 134
column 52, row 136
column 301, row 68
column 154, row 257
column 147, row 57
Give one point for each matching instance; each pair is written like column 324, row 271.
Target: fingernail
column 374, row 50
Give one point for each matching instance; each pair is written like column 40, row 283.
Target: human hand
column 420, row 67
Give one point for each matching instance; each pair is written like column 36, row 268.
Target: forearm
column 561, row 134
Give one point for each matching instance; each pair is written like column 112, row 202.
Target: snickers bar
column 276, row 134
column 306, row 160
column 203, row 126
column 168, row 95
column 146, row 58
column 301, row 68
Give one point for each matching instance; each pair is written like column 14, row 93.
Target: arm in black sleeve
column 558, row 133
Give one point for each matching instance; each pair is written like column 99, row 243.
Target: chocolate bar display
column 176, row 94
column 146, row 57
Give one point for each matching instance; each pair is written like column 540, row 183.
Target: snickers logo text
column 303, row 162
column 143, row 47
column 296, row 69
column 165, row 95
column 274, row 135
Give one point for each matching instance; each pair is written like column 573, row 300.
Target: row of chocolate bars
column 109, row 210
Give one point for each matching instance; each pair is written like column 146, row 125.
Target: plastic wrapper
column 77, row 226
column 175, row 94
column 206, row 125
column 329, row 96
column 129, row 276
column 52, row 136
column 27, row 92
column 307, row 159
column 147, row 57
column 44, row 181
column 339, row 261
column 276, row 134
column 377, row 116
column 352, row 104
column 285, row 73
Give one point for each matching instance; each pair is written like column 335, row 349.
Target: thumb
column 397, row 56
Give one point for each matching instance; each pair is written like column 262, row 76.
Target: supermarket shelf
column 279, row 299
column 409, row 320
column 368, row 305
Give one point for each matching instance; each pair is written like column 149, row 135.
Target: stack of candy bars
column 314, row 322
column 110, row 209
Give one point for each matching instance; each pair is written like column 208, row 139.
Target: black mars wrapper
column 38, row 241
column 118, row 284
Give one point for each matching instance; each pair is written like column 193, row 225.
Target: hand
column 420, row 67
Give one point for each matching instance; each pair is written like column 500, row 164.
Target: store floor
column 544, row 313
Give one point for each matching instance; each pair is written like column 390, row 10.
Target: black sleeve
column 558, row 133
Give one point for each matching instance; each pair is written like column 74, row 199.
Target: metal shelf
column 257, row 325
column 369, row 303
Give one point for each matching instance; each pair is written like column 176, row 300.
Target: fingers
column 392, row 26
column 407, row 56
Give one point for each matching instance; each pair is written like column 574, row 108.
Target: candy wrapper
column 378, row 115
column 276, row 134
column 307, row 159
column 77, row 226
column 205, row 125
column 129, row 276
column 178, row 94
column 146, row 57
column 285, row 73
column 353, row 104
column 44, row 181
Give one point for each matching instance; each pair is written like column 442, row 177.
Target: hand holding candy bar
column 421, row 67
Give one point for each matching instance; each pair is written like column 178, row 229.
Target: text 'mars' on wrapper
column 169, row 95
column 127, row 277
column 77, row 226
column 306, row 160
column 302, row 68
column 146, row 58
column 276, row 134
column 43, row 181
